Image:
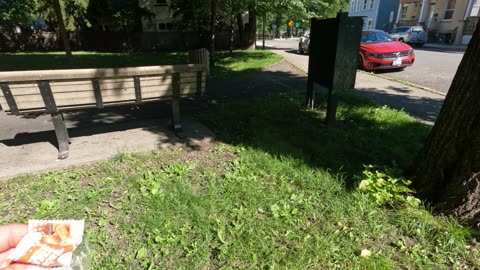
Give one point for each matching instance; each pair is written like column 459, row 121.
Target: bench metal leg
column 62, row 135
column 176, row 126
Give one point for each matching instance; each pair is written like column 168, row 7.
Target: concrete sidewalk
column 36, row 151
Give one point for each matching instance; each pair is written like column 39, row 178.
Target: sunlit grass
column 273, row 193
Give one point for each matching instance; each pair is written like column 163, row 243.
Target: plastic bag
column 53, row 244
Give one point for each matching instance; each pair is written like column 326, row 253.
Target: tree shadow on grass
column 366, row 132
column 40, row 61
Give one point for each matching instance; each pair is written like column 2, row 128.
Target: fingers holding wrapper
column 48, row 243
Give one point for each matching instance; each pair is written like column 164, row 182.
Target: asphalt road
column 433, row 68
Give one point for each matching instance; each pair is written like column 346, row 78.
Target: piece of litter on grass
column 366, row 253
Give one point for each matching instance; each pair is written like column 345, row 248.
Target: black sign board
column 334, row 46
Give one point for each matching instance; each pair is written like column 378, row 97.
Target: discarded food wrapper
column 48, row 243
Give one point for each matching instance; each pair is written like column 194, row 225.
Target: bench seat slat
column 111, row 95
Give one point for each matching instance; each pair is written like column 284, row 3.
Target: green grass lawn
column 275, row 192
column 227, row 65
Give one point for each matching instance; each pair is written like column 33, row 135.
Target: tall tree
column 447, row 172
column 121, row 15
column 73, row 13
column 63, row 32
column 193, row 15
column 16, row 13
column 213, row 23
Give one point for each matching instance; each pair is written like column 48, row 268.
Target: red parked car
column 378, row 50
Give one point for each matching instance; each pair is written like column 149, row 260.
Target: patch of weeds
column 385, row 188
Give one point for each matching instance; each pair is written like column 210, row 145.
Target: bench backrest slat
column 76, row 74
column 60, row 90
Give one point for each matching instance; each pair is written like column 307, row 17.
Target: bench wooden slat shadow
column 56, row 91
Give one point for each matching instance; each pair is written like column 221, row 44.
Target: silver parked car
column 415, row 35
column 304, row 43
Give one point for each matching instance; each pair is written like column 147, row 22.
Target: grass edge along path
column 268, row 199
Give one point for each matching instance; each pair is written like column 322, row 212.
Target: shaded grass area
column 226, row 64
column 366, row 133
column 273, row 198
column 57, row 60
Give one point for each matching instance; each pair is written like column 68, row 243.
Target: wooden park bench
column 56, row 91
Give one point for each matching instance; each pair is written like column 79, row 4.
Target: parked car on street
column 415, row 35
column 378, row 50
column 304, row 43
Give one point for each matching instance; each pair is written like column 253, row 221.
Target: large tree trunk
column 241, row 29
column 232, row 33
column 252, row 28
column 447, row 172
column 63, row 31
column 212, row 31
column 263, row 30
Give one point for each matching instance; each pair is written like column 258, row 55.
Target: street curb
column 453, row 48
column 386, row 78
column 406, row 83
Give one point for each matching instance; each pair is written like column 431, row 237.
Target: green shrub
column 387, row 189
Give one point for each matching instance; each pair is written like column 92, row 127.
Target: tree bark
column 263, row 30
column 232, row 33
column 212, row 31
column 447, row 171
column 63, row 31
column 252, row 28
column 241, row 29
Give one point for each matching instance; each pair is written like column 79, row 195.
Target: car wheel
column 300, row 49
column 360, row 62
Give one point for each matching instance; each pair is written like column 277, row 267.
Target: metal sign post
column 332, row 64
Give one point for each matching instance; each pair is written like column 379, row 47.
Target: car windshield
column 400, row 30
column 375, row 37
column 417, row 28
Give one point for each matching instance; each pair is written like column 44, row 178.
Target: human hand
column 10, row 236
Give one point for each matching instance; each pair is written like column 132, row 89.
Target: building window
column 475, row 9
column 449, row 10
column 365, row 4
column 352, row 6
column 160, row 2
column 372, row 4
column 370, row 23
column 403, row 13
column 359, row 5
